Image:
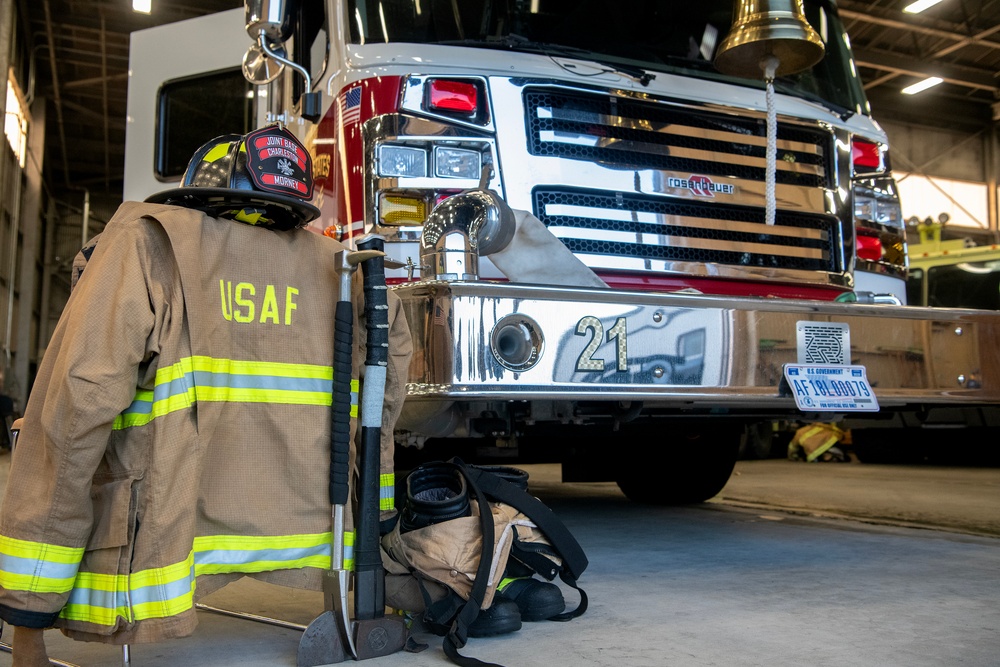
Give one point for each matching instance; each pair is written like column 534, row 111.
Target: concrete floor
column 792, row 564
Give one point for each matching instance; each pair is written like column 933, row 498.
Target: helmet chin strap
column 260, row 217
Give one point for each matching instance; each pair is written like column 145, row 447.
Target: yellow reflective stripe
column 202, row 378
column 355, row 392
column 153, row 593
column 834, row 436
column 253, row 542
column 507, row 581
column 37, row 567
column 819, row 451
column 144, row 395
column 52, row 553
column 159, row 408
column 163, row 575
column 234, row 366
column 90, row 590
column 91, row 614
column 348, row 549
column 218, row 554
column 387, row 491
column 164, row 608
column 320, row 562
column 35, row 584
column 96, row 581
column 167, row 591
column 280, row 396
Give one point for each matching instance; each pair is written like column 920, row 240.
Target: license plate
column 830, row 388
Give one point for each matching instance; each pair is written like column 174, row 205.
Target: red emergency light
column 866, row 155
column 869, row 247
column 448, row 95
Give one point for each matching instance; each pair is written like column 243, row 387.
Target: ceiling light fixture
column 142, row 6
column 919, row 6
column 921, row 86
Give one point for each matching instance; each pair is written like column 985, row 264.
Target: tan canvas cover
column 449, row 553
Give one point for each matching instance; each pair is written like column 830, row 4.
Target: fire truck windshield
column 637, row 38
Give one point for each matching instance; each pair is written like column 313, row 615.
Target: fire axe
column 332, row 635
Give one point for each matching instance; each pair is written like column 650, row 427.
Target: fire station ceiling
column 81, row 51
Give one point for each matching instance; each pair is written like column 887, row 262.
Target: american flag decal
column 350, row 104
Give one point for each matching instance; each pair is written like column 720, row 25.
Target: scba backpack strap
column 564, row 545
column 559, row 554
column 458, row 634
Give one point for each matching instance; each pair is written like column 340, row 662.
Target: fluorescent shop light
column 921, row 86
column 919, row 6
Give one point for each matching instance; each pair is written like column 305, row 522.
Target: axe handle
column 369, row 582
column 340, row 435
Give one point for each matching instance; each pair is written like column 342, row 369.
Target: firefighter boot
column 435, row 492
column 502, row 617
column 536, row 600
column 515, row 476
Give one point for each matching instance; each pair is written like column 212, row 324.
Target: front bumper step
column 507, row 342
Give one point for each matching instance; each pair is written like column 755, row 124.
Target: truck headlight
column 880, row 234
column 404, row 161
column 457, row 163
column 875, row 200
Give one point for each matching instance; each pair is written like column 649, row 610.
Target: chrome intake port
column 516, row 342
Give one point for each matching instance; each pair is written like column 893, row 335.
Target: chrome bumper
column 682, row 350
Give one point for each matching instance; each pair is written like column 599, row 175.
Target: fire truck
column 577, row 198
column 952, row 273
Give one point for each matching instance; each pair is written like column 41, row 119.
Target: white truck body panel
column 165, row 53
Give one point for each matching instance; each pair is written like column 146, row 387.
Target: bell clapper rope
column 770, row 64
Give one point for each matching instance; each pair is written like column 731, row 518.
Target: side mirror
column 270, row 23
column 271, row 18
column 260, row 69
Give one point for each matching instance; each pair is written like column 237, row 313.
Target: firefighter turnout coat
column 179, row 427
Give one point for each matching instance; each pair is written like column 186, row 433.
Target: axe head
column 355, row 257
column 321, row 644
column 376, row 637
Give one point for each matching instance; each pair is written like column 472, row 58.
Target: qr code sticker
column 823, row 343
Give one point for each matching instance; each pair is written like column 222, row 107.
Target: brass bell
column 763, row 28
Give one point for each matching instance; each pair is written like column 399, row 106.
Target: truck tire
column 694, row 468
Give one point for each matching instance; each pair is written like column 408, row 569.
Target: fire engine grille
column 619, row 231
column 630, row 134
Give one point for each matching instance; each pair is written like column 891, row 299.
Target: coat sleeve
column 87, row 377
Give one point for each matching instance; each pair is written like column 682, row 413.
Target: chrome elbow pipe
column 460, row 230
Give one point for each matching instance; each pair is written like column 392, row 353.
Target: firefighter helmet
column 263, row 178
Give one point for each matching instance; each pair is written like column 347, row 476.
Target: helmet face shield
column 262, row 179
